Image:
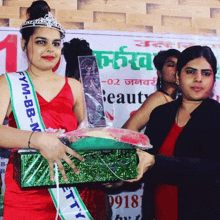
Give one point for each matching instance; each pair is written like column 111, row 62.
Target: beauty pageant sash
column 27, row 115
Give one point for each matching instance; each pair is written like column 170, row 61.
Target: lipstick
column 49, row 58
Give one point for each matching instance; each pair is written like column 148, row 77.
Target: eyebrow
column 190, row 68
column 196, row 69
column 207, row 70
column 44, row 38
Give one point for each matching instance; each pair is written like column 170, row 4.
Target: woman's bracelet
column 29, row 141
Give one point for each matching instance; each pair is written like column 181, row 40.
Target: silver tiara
column 46, row 21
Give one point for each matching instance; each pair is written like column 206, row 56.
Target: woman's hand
column 146, row 161
column 54, row 150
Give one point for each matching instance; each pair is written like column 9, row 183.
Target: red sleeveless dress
column 36, row 204
column 166, row 196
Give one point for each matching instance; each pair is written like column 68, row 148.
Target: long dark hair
column 194, row 52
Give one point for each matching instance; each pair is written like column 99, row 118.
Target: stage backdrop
column 127, row 75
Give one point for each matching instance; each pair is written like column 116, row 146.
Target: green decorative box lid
column 95, row 143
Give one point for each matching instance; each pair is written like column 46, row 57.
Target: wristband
column 29, row 141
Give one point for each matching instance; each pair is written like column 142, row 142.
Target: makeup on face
column 169, row 70
column 196, row 79
column 44, row 48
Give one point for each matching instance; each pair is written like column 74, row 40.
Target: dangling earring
column 161, row 82
column 177, row 81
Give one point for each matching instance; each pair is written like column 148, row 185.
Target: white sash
column 27, row 115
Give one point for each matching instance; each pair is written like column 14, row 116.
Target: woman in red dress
column 165, row 63
column 62, row 107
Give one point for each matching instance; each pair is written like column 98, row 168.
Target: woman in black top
column 195, row 167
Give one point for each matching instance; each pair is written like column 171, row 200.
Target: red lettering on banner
column 134, row 199
column 128, row 201
column 117, row 82
column 162, row 44
column 110, row 82
column 10, row 44
column 141, row 43
column 118, row 201
column 184, row 45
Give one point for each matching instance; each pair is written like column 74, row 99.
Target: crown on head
column 46, row 21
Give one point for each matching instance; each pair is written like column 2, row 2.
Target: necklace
column 161, row 90
column 166, row 93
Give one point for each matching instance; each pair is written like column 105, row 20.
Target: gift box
column 105, row 160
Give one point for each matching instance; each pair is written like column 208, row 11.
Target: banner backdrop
column 127, row 78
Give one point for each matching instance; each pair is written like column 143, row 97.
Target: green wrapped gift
column 105, row 160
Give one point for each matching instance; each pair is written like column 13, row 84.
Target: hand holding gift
column 109, row 155
column 54, row 150
column 146, row 161
column 134, row 139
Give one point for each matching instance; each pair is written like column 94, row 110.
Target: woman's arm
column 9, row 137
column 48, row 144
column 140, row 118
column 177, row 170
column 187, row 166
column 180, row 170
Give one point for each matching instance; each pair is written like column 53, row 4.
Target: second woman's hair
column 159, row 61
column 194, row 52
column 71, row 50
column 161, row 57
